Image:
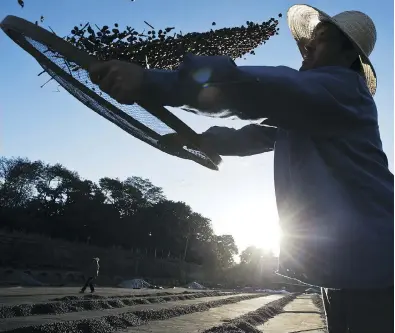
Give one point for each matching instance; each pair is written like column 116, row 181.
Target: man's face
column 326, row 48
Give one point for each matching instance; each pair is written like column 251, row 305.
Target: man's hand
column 210, row 99
column 174, row 140
column 171, row 140
column 119, row 79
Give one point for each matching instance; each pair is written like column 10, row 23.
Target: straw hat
column 357, row 26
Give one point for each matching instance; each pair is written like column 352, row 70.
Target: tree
column 131, row 213
column 17, row 179
column 226, row 250
column 174, row 226
column 150, row 193
column 256, row 268
column 252, row 255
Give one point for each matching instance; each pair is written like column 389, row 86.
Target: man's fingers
column 98, row 71
column 121, row 96
column 120, row 80
column 106, row 84
column 110, row 81
column 171, row 139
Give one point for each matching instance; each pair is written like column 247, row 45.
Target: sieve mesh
column 132, row 118
column 81, row 75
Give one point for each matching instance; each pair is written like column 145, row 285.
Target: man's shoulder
column 336, row 74
column 342, row 83
column 337, row 80
column 331, row 70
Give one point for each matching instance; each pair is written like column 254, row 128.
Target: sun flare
column 251, row 227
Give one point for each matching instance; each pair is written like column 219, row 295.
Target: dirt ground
column 17, row 295
column 175, row 310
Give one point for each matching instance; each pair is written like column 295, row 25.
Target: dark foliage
column 133, row 214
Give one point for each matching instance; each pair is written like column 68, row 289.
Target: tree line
column 52, row 200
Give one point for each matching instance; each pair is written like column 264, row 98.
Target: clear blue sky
column 54, row 127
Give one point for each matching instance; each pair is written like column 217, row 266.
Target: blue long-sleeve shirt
column 333, row 188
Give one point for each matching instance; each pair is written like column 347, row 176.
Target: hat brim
column 302, row 20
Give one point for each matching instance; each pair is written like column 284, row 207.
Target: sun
column 263, row 232
column 271, row 236
column 253, row 227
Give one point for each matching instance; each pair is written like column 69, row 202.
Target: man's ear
column 357, row 66
column 351, row 56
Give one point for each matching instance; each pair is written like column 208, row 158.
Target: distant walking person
column 91, row 274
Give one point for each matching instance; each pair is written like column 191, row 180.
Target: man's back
column 334, row 191
column 338, row 191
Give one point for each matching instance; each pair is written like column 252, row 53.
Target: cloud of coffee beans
column 165, row 48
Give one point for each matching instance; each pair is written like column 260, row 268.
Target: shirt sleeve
column 291, row 99
column 249, row 140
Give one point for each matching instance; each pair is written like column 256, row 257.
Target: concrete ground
column 200, row 321
column 299, row 316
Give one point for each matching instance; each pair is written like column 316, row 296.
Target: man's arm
column 249, row 140
column 325, row 97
